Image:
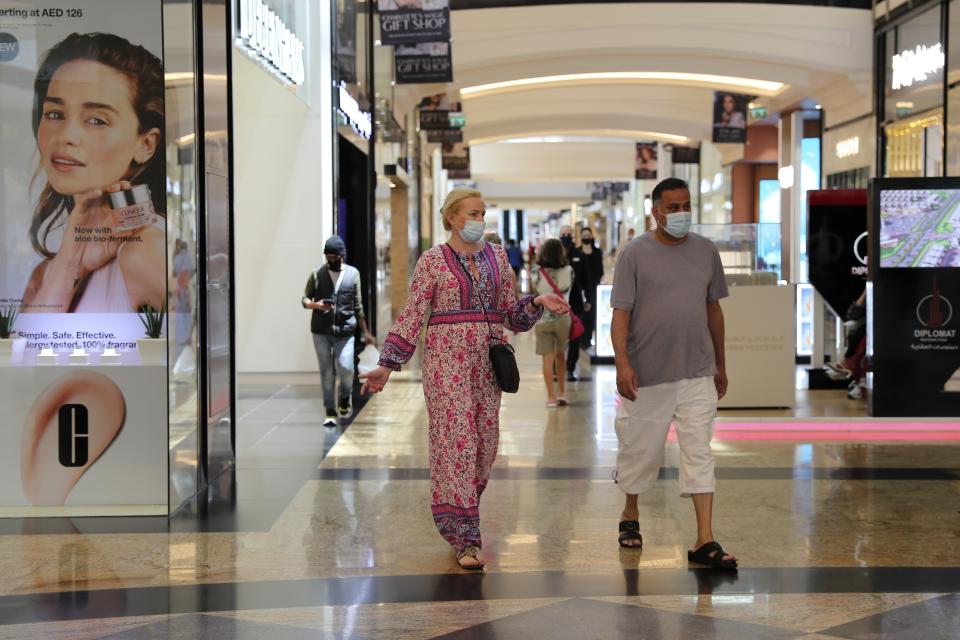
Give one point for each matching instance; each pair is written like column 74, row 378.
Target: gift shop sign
column 263, row 32
column 414, row 21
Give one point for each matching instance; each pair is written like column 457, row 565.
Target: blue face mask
column 472, row 231
column 678, row 224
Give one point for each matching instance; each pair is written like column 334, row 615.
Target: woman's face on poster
column 646, row 154
column 729, row 105
column 89, row 132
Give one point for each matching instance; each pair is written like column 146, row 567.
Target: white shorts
column 642, row 426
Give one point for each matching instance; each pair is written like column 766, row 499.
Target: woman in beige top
column 553, row 331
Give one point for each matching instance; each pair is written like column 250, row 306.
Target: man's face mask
column 566, row 240
column 334, row 262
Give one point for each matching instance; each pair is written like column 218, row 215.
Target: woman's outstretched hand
column 553, row 303
column 374, row 381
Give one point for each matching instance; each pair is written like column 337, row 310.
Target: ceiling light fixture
column 626, row 135
column 762, row 87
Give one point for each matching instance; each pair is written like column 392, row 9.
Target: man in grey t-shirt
column 667, row 337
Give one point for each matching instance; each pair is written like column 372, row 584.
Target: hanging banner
column 646, row 161
column 83, row 203
column 414, row 21
column 456, row 160
column 730, row 117
column 345, row 36
column 685, row 155
column 436, row 110
column 445, row 135
column 423, row 63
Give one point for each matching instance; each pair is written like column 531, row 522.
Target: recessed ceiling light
column 762, row 87
column 579, row 135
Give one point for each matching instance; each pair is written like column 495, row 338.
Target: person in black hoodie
column 333, row 294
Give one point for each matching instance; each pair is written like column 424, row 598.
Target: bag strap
column 473, row 282
column 553, row 285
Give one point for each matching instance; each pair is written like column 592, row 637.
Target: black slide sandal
column 711, row 554
column 630, row 530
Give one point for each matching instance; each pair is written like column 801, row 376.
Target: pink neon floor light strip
column 843, row 431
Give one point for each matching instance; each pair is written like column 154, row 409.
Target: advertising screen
column 919, row 228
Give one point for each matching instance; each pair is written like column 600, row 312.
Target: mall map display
column 919, row 228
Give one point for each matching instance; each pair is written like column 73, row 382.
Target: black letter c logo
column 74, row 430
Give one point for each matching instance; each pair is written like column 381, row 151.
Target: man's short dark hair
column 670, row 184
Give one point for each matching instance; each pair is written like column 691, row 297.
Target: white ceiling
column 823, row 54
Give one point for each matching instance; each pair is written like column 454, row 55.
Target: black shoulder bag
column 502, row 357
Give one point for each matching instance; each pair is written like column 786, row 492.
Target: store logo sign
column 860, row 252
column 359, row 119
column 9, row 47
column 264, row 33
column 849, row 147
column 911, row 67
column 74, row 435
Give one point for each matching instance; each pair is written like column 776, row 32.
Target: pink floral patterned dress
column 463, row 400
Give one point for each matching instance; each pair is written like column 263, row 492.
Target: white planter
column 8, row 347
column 153, row 351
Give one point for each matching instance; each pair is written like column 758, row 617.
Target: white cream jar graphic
column 132, row 208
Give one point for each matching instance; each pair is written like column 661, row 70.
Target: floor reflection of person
column 99, row 125
column 467, row 287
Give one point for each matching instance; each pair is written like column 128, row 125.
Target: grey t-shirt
column 666, row 290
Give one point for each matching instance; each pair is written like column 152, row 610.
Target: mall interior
column 195, row 485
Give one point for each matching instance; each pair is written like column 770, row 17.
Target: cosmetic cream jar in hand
column 132, row 208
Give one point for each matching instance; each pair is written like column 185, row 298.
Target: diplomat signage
column 423, row 63
column 414, row 21
column 914, row 306
column 934, row 317
column 837, row 245
column 261, row 31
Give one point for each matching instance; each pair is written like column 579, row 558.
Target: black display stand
column 914, row 309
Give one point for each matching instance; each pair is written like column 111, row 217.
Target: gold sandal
column 472, row 553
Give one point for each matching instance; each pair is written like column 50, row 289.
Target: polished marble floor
column 843, row 531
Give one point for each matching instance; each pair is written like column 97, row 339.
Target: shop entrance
column 915, row 146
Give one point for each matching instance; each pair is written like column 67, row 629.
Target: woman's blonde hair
column 452, row 203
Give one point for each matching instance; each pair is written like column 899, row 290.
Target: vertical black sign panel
column 837, row 245
column 73, row 422
column 424, row 63
column 414, row 21
column 916, row 309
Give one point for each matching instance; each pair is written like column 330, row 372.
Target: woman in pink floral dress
column 449, row 284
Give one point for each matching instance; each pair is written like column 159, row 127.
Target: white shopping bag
column 369, row 358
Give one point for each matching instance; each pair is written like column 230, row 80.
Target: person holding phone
column 333, row 294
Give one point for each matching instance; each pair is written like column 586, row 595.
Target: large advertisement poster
column 423, row 63
column 414, row 21
column 646, row 161
column 83, row 252
column 730, row 117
